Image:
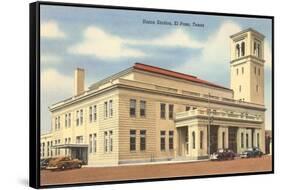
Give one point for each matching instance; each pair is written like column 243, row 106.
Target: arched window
column 193, row 140
column 255, row 48
column 237, row 50
column 242, row 48
column 242, row 140
column 258, row 50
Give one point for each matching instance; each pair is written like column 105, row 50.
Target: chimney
column 79, row 81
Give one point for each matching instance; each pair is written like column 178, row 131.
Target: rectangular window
column 105, row 110
column 162, row 140
column 95, row 112
column 65, row 150
column 81, row 117
column 187, row 108
column 79, row 139
column 171, row 140
column 162, row 111
column 90, row 144
column 59, row 149
column 242, row 140
column 142, row 140
column 69, row 120
column 95, row 142
column 110, row 108
column 142, row 108
column 255, row 70
column 132, row 140
column 257, row 88
column 133, row 105
column 66, row 120
column 58, row 122
column 90, row 114
column 258, row 140
column 247, row 140
column 201, row 139
column 242, row 70
column 105, row 141
column 237, row 71
column 110, row 141
column 77, row 118
column 223, row 140
column 259, row 71
column 171, row 111
column 193, row 140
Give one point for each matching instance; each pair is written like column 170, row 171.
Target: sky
column 106, row 41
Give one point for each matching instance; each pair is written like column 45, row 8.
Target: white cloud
column 177, row 38
column 50, row 29
column 54, row 87
column 50, row 59
column 103, row 45
column 215, row 52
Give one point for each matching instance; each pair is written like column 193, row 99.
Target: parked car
column 223, row 154
column 251, row 153
column 44, row 163
column 63, row 163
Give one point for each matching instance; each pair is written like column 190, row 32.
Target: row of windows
column 108, row 112
column 247, row 140
column 163, row 140
column 108, row 141
column 163, row 111
column 133, row 137
column 256, row 71
column 240, row 88
column 240, row 49
column 133, row 108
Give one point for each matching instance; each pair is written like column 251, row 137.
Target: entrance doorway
column 232, row 139
column 213, row 139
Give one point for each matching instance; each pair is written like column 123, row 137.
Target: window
column 223, row 140
column 43, row 149
column 257, row 88
column 247, row 140
column 65, row 123
column 69, row 120
column 58, row 122
column 142, row 108
column 48, row 148
column 110, row 141
column 90, row 143
column 162, row 140
column 171, row 111
column 79, row 139
column 95, row 143
column 132, row 140
column 110, row 108
column 77, row 118
column 105, row 141
column 59, row 149
column 90, row 114
column 193, row 140
column 258, row 140
column 133, row 108
column 142, row 139
column 242, row 140
column 105, row 110
column 255, row 70
column 237, row 50
column 237, row 71
column 95, row 112
column 56, row 150
column 81, row 117
column 242, row 70
column 65, row 150
column 259, row 71
column 201, row 139
column 258, row 50
column 187, row 108
column 242, row 48
column 240, row 88
column 162, row 111
column 171, row 140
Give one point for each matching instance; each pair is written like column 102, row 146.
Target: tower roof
column 247, row 30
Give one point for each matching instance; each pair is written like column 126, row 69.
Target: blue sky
column 104, row 42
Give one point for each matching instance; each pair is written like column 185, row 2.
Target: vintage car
column 251, row 153
column 44, row 163
column 223, row 154
column 62, row 163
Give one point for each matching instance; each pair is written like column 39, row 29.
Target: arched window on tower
column 242, row 48
column 237, row 50
column 255, row 48
column 258, row 50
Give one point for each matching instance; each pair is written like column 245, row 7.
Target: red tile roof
column 158, row 70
